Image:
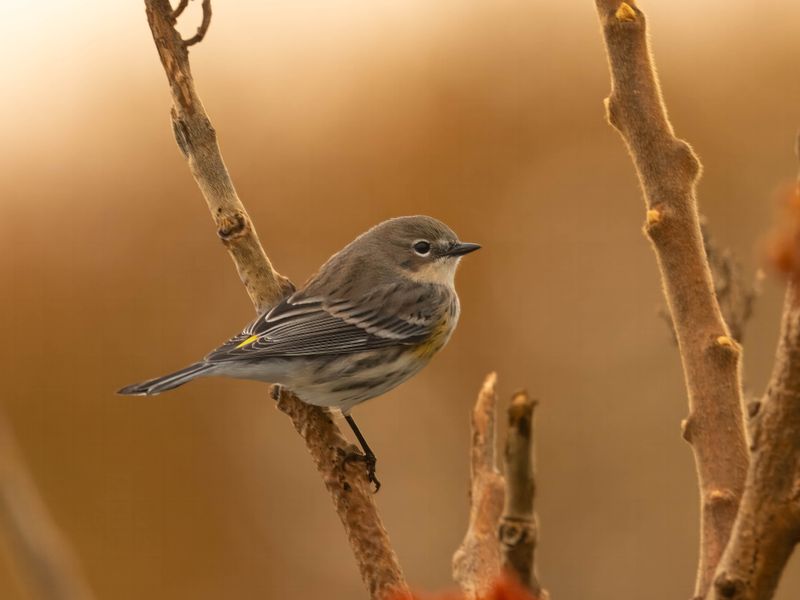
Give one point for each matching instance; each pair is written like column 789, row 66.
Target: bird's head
column 422, row 248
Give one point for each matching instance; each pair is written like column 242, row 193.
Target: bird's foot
column 369, row 460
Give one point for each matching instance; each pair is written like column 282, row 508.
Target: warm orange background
column 332, row 116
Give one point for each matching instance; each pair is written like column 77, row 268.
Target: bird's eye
column 422, row 247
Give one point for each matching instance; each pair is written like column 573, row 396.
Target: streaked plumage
column 373, row 316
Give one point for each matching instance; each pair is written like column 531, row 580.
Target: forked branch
column 668, row 171
column 348, row 487
column 502, row 532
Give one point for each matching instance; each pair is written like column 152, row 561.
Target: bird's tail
column 167, row 382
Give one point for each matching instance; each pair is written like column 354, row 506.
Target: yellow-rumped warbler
column 373, row 316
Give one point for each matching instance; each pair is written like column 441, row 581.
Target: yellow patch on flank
column 625, row 13
column 435, row 341
column 248, row 341
column 653, row 216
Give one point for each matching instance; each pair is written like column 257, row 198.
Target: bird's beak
column 462, row 248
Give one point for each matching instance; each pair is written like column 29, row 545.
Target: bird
column 372, row 316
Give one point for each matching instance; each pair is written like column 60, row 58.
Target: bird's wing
column 307, row 326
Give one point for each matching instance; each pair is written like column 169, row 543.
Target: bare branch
column 196, row 138
column 351, row 492
column 476, row 563
column 668, row 170
column 43, row 557
column 518, row 531
column 502, row 533
column 198, row 141
column 201, row 31
column 767, row 527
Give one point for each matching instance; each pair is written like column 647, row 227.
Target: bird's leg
column 368, row 457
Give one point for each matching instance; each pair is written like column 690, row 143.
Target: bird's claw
column 369, row 461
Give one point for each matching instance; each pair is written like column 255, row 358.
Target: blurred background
column 333, row 116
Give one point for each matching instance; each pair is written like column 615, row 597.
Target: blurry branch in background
column 735, row 293
column 348, row 487
column 43, row 557
column 767, row 527
column 518, row 529
column 668, row 170
column 502, row 533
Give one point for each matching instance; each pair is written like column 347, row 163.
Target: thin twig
column 180, row 8
column 668, row 170
column 476, row 563
column 518, row 530
column 201, row 31
column 196, row 138
column 767, row 527
column 45, row 561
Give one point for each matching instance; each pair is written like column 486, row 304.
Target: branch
column 196, row 138
column 736, row 295
column 668, row 170
column 180, row 8
column 502, row 532
column 198, row 142
column 351, row 492
column 767, row 527
column 518, row 530
column 201, row 31
column 477, row 563
column 44, row 558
